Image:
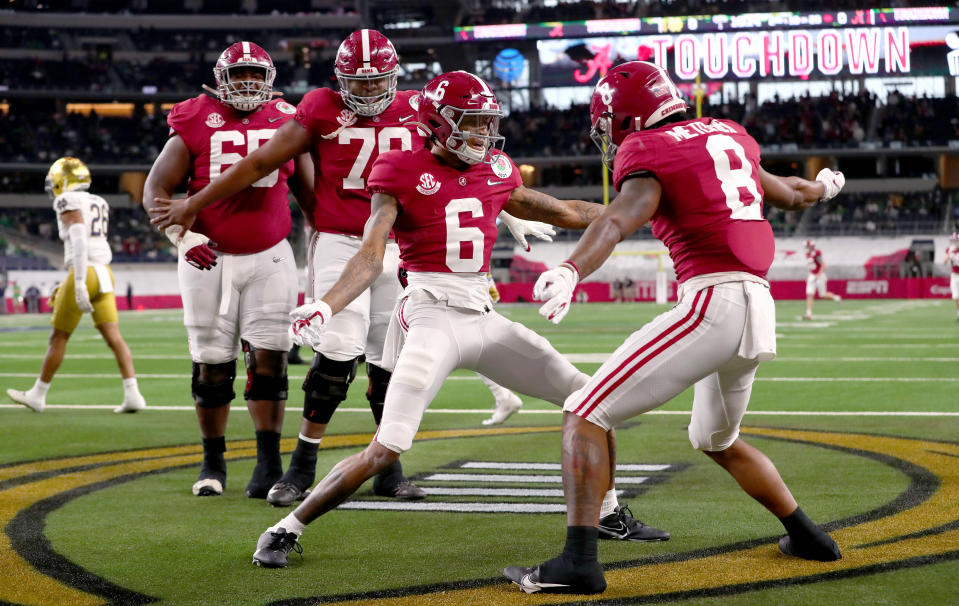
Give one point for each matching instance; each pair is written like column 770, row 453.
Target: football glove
column 82, row 296
column 309, row 321
column 194, row 247
column 556, row 287
column 833, row 182
column 521, row 228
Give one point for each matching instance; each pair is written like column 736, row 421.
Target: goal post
column 662, row 281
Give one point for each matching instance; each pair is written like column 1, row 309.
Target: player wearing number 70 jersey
column 700, row 186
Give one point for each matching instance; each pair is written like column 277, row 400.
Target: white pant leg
column 266, row 297
column 719, row 403
column 816, row 284
column 384, row 293
column 523, row 361
column 438, row 337
column 346, row 332
column 954, row 285
column 672, row 352
column 212, row 337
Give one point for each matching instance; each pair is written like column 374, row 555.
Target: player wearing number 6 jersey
column 242, row 292
column 442, row 204
column 345, row 131
column 83, row 219
column 700, row 185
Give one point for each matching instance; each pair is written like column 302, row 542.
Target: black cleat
column 566, row 578
column 816, row 547
column 622, row 526
column 272, row 548
column 284, row 494
column 405, row 490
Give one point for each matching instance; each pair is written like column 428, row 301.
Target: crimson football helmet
column 810, row 245
column 631, row 97
column 244, row 95
column 457, row 107
column 367, row 61
column 954, row 236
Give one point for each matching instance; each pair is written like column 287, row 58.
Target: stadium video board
column 880, row 42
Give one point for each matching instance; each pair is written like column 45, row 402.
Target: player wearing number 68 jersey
column 700, row 185
column 236, row 269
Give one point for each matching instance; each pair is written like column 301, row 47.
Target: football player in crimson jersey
column 245, row 289
column 952, row 260
column 816, row 280
column 700, row 185
column 345, row 131
column 442, row 203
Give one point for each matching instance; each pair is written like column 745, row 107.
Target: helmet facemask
column 370, row 105
column 467, row 126
column 245, row 95
column 600, row 134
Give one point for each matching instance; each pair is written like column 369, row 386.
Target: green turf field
column 859, row 411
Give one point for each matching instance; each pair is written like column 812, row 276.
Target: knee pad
column 325, row 386
column 376, row 392
column 214, row 394
column 273, row 386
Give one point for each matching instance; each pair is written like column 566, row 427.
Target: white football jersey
column 96, row 218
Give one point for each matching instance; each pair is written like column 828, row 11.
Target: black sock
column 268, row 450
column 581, row 544
column 304, row 457
column 213, row 449
column 798, row 524
column 387, row 479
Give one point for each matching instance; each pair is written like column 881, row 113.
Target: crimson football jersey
column 710, row 212
column 814, row 261
column 447, row 218
column 345, row 146
column 952, row 254
column 219, row 136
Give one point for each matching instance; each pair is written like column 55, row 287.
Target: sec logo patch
column 428, row 185
column 215, row 120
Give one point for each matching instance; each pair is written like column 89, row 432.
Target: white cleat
column 207, row 487
column 505, row 408
column 27, row 399
column 131, row 404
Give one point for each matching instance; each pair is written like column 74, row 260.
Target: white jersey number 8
column 735, row 180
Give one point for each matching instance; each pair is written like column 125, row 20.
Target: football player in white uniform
column 83, row 219
column 952, row 260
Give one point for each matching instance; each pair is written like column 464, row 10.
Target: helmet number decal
column 605, row 92
column 738, row 183
column 457, row 236
column 381, row 142
column 439, row 92
column 252, row 139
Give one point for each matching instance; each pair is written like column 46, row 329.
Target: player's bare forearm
column 790, row 193
column 533, row 205
column 301, row 185
column 168, row 172
column 367, row 264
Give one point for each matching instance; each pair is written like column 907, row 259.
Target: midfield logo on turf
column 507, row 487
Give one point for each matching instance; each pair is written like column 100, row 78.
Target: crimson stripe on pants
column 661, row 349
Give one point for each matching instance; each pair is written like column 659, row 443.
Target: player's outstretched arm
column 526, row 203
column 796, row 193
column 291, row 140
column 632, row 208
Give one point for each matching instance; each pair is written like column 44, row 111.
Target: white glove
column 309, row 322
column 556, row 287
column 833, row 181
column 520, row 228
column 82, row 296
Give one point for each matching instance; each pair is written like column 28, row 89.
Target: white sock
column 311, row 440
column 130, row 387
column 610, row 503
column 40, row 389
column 290, row 523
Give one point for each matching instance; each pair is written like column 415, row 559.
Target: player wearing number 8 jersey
column 240, row 294
column 700, row 185
column 83, row 219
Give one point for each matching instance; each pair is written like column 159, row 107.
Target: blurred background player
column 83, row 220
column 700, row 184
column 243, row 293
column 437, row 198
column 816, row 280
column 345, row 131
column 952, row 260
column 507, row 402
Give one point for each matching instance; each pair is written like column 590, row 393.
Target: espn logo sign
column 867, row 287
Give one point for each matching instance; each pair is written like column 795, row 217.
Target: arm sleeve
column 78, row 240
